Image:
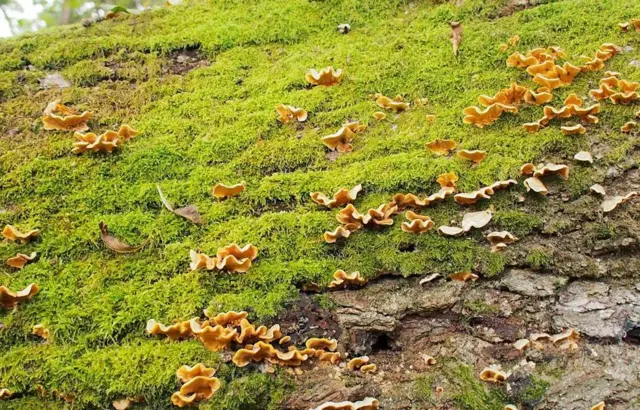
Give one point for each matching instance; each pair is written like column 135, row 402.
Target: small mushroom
column 597, row 189
column 327, row 76
column 379, row 115
column 472, row 155
column 221, row 190
column 534, row 184
column 583, row 156
column 20, row 260
column 440, row 147
column 611, row 203
column 357, row 362
column 13, row 234
column 464, row 276
column 344, row 28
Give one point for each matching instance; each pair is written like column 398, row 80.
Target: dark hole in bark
column 382, row 342
column 406, row 247
column 633, row 336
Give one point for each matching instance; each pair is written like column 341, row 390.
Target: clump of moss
column 469, row 392
column 480, row 307
column 532, row 392
column 517, row 222
column 540, row 258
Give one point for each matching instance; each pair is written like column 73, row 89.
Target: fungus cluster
column 368, row 403
column 396, row 104
column 289, row 113
column 20, row 260
column 341, row 198
column 534, row 183
column 352, row 220
column 230, row 258
column 327, row 76
column 417, row 223
column 362, row 364
column 342, row 280
column 626, row 25
column 617, row 90
column 13, row 234
column 107, row 142
column 566, row 340
column 341, row 139
column 572, row 107
column 199, row 384
column 494, row 374
column 58, row 116
column 500, row 240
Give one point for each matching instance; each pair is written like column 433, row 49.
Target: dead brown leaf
column 189, row 212
column 456, row 36
column 115, row 244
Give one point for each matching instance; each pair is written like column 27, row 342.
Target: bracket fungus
column 227, row 191
column 480, row 118
column 195, row 390
column 327, row 76
column 472, row 155
column 264, row 351
column 40, row 331
column 176, row 331
column 357, row 362
column 597, row 189
column 186, row 373
column 331, row 357
column 115, row 244
column 14, row 235
column 231, row 258
column 493, row 374
column 106, row 142
column 369, row 368
column 340, row 198
column 628, row 127
column 429, row 360
column 339, row 232
column 584, row 156
column 342, row 280
column 322, row 343
column 464, row 277
column 230, row 318
column 500, row 240
column 536, row 185
column 566, row 340
column 440, row 147
column 58, row 116
column 561, row 170
column 288, row 113
column 513, row 95
column 379, row 115
column 611, row 203
column 450, row 230
column 214, row 338
column 521, row 344
column 396, row 104
column 5, row 394
column 20, row 260
column 368, row 403
column 341, row 139
column 573, row 129
column 447, row 179
column 189, row 212
column 599, row 406
column 476, row 220
column 417, row 223
column 248, row 332
column 468, row 198
column 9, row 299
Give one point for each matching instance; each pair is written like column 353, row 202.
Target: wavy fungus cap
column 9, row 299
column 368, row 403
column 340, row 198
column 58, row 116
column 440, row 147
column 327, row 76
column 21, row 259
column 13, row 234
column 288, row 113
column 341, row 139
column 476, row 156
column 197, row 389
column 480, row 118
column 493, row 375
column 322, row 343
column 417, row 223
column 226, row 191
column 186, row 373
column 396, row 105
column 341, row 280
column 176, row 331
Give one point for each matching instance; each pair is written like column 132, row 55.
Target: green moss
column 534, row 392
column 539, row 258
column 480, row 307
column 469, row 392
column 200, row 83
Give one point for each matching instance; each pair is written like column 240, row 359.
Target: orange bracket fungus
column 249, row 332
column 472, row 155
column 230, row 318
column 368, row 403
column 536, row 185
column 342, row 280
column 513, row 95
column 379, row 115
column 214, row 338
column 417, row 223
column 264, row 351
column 115, row 244
column 493, row 374
column 573, row 129
column 618, row 91
column 231, row 258
column 12, row 234
column 448, row 179
column 396, row 104
column 611, row 203
column 599, row 406
column 106, row 142
column 176, row 331
column 225, row 191
column 487, row 192
column 429, row 360
column 5, row 394
column 288, row 113
column 197, row 389
column 331, row 357
column 519, row 60
column 58, row 116
column 628, row 127
column 186, row 373
column 561, row 170
column 597, row 189
column 189, row 212
column 322, row 343
column 357, row 362
column 327, row 76
column 440, row 147
column 40, row 331
column 369, row 368
column 500, row 240
column 604, row 53
column 340, row 198
column 480, row 118
column 341, row 139
column 339, row 232
column 20, row 260
column 464, row 277
column 583, row 156
column 9, row 299
column 566, row 340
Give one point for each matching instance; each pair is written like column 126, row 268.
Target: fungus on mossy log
column 107, row 142
column 440, row 147
column 13, row 234
column 500, row 240
column 341, row 280
column 288, row 113
column 468, row 198
column 197, row 389
column 231, row 258
column 417, row 223
column 214, row 338
column 9, row 299
column 21, row 259
column 368, row 403
column 327, row 76
column 58, row 116
column 186, row 373
column 248, row 332
column 493, row 374
column 340, row 198
column 341, row 139
column 395, row 104
column 611, row 203
column 476, row 156
column 480, row 118
column 230, row 318
column 226, row 191
column 176, row 331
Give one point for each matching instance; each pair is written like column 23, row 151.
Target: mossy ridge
column 217, row 124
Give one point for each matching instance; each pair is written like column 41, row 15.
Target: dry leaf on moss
column 9, row 299
column 189, row 212
column 628, row 127
column 450, row 230
column 534, row 184
column 573, row 129
column 340, row 198
column 464, row 276
column 20, row 260
column 368, row 403
column 327, row 76
column 227, row 191
column 611, row 203
column 396, row 105
column 288, row 113
column 116, row 245
column 456, row 36
column 13, row 234
column 583, row 156
column 342, row 280
column 40, row 331
column 417, row 223
column 195, row 390
column 472, row 155
column 341, row 140
column 186, row 373
column 440, row 147
column 57, row 116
